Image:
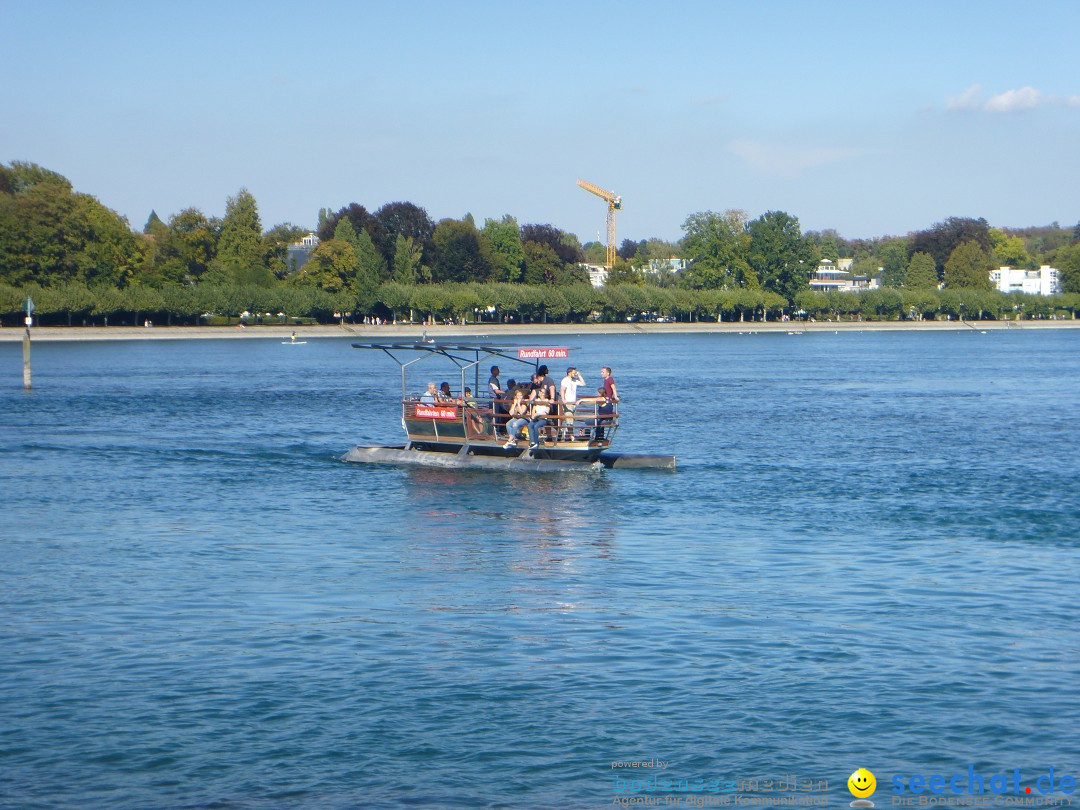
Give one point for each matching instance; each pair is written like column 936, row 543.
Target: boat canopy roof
column 469, row 353
column 435, row 346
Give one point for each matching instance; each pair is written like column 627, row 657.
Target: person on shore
column 568, row 397
column 518, row 411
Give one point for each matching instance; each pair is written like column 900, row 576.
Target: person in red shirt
column 609, row 384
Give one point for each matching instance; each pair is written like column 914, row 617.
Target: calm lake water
column 867, row 558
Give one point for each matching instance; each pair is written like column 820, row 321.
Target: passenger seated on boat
column 473, row 420
column 444, row 394
column 539, row 412
column 431, row 396
column 518, row 411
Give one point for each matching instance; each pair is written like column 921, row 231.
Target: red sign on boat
column 548, row 353
column 436, row 412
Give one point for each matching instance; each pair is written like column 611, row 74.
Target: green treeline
column 82, row 263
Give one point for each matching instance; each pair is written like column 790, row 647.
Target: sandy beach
column 491, row 330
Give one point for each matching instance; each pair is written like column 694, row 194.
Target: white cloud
column 968, row 100
column 789, row 160
column 1026, row 98
column 1010, row 101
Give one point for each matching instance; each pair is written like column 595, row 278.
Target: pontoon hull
column 520, row 463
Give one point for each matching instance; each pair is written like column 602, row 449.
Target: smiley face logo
column 862, row 783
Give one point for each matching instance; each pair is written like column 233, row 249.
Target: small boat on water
column 469, row 430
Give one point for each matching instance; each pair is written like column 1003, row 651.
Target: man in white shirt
column 568, row 394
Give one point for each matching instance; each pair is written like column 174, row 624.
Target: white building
column 672, row 265
column 597, row 274
column 829, row 276
column 1043, row 281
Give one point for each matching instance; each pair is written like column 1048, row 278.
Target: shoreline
column 489, row 330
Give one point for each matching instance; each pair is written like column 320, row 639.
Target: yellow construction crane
column 614, row 203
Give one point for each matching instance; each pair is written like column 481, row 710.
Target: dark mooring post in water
column 26, row 344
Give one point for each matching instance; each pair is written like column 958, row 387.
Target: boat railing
column 483, row 417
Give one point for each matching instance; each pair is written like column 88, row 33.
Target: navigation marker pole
column 26, row 344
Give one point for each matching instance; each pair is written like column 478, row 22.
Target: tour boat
column 471, row 433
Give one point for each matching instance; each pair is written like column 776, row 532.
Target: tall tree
column 717, row 246
column 1067, row 261
column 240, row 241
column 369, row 270
column 779, row 254
column 1008, row 251
column 892, row 253
column 542, row 264
column 240, row 259
column 50, row 235
column 506, row 253
column 358, row 217
column 407, row 256
column 407, row 219
column 594, row 252
column 331, row 267
column 188, row 248
column 921, row 273
column 944, row 237
column 563, row 245
column 629, row 249
column 276, row 243
column 21, row 176
column 968, row 266
column 459, row 254
column 154, row 225
column 828, row 244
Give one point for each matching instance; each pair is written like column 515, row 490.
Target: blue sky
column 871, row 118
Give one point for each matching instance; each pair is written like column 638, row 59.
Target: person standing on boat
column 547, row 384
column 568, row 395
column 610, row 390
column 497, row 394
column 494, row 386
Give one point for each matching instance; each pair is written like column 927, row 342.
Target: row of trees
column 51, row 236
column 772, row 253
column 75, row 303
